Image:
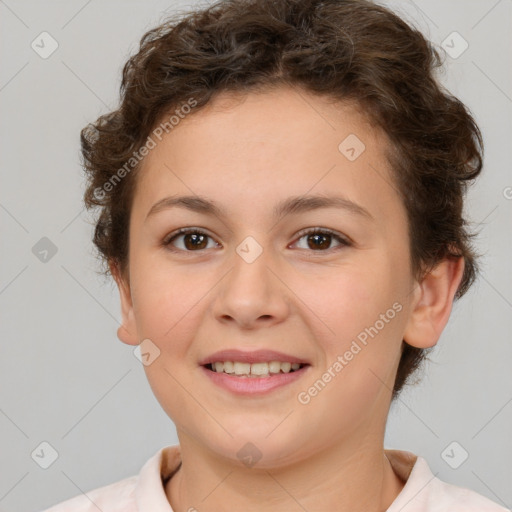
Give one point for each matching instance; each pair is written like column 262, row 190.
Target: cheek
column 361, row 356
column 350, row 300
column 363, row 311
column 164, row 301
column 167, row 310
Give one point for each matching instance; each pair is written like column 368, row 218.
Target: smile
column 255, row 370
column 244, row 379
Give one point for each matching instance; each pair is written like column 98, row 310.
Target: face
column 327, row 287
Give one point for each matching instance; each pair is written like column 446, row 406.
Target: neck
column 341, row 478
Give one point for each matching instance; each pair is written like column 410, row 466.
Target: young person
column 281, row 195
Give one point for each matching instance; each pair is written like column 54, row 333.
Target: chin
column 255, row 448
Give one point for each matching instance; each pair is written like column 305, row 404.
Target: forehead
column 265, row 146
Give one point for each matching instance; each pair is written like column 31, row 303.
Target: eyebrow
column 292, row 205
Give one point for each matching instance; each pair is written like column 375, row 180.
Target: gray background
column 66, row 379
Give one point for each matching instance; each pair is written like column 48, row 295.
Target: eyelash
column 167, row 242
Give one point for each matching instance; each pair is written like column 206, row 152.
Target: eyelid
column 318, row 229
column 183, row 231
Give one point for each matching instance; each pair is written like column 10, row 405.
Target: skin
column 246, row 156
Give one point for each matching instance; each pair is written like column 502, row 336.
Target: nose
column 252, row 294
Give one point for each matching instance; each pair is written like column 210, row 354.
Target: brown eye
column 193, row 240
column 320, row 240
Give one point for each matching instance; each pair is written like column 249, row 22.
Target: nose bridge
column 251, row 290
column 250, row 275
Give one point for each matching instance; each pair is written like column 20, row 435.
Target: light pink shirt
column 145, row 492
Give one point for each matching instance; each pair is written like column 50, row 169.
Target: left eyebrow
column 292, row 205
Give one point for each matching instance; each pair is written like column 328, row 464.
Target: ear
column 432, row 304
column 127, row 331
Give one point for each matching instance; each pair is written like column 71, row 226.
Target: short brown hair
column 348, row 50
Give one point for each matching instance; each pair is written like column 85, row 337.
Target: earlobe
column 432, row 306
column 127, row 331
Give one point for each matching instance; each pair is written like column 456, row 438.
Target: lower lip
column 253, row 385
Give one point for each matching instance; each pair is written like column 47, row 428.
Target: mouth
column 254, row 370
column 253, row 373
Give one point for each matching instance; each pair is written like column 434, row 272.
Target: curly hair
column 347, row 50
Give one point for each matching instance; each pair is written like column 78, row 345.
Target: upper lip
column 253, row 356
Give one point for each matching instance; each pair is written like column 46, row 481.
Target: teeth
column 259, row 369
column 242, row 368
column 274, row 366
column 286, row 367
column 228, row 367
column 254, row 369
